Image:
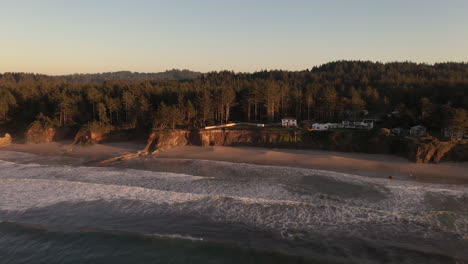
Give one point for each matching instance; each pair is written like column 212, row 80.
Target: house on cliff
column 418, row 131
column 320, row 127
column 289, row 122
column 455, row 133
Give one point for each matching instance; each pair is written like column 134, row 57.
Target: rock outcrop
column 6, row 140
column 36, row 135
column 165, row 139
column 88, row 137
column 432, row 150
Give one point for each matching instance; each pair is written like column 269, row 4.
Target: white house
column 418, row 131
column 320, row 127
column 289, row 122
column 456, row 133
column 367, row 123
column 348, row 124
column 331, row 125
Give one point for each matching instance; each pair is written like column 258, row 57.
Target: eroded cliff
column 420, row 150
column 37, row 135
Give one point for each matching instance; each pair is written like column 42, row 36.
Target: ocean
column 56, row 210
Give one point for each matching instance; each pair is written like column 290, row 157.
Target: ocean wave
column 53, row 244
column 27, row 243
column 286, row 216
column 289, row 204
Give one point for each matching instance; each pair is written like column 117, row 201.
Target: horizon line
column 238, row 72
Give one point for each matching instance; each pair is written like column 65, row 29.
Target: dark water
column 218, row 212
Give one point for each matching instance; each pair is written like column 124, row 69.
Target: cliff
column 6, row 140
column 254, row 137
column 164, row 139
column 432, row 150
column 420, row 150
column 89, row 135
column 37, row 135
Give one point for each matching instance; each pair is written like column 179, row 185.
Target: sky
column 69, row 36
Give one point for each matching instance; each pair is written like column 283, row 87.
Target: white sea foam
column 177, row 236
column 263, row 202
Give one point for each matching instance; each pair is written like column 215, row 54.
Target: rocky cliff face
column 88, row 137
column 39, row 135
column 164, row 139
column 6, row 140
column 432, row 150
column 425, row 150
column 221, row 137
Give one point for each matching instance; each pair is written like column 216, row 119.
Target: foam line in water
column 306, row 200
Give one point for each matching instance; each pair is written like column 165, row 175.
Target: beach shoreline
column 368, row 165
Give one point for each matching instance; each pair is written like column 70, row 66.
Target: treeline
column 433, row 95
column 171, row 75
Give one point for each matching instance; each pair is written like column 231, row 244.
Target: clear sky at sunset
column 59, row 37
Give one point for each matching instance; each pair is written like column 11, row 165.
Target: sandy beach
column 370, row 165
column 354, row 163
column 277, row 198
column 88, row 154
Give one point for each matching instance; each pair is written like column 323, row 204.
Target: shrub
column 98, row 127
column 43, row 122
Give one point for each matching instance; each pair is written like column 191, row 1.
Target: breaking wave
column 301, row 212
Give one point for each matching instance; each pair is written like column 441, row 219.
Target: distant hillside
column 171, row 75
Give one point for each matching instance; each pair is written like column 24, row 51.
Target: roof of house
column 288, row 118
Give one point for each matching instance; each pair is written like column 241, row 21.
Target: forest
column 433, row 95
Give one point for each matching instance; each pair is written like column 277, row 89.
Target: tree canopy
column 434, row 95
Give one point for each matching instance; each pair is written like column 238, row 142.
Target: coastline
column 368, row 165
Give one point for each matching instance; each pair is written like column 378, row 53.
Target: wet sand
column 89, row 154
column 370, row 165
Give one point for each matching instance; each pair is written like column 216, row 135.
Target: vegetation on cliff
column 431, row 95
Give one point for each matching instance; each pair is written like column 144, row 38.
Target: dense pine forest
column 432, row 95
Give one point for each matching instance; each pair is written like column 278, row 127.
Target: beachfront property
column 347, row 124
column 320, row 127
column 334, row 125
column 418, row 131
column 289, row 122
column 455, row 133
column 368, row 123
column 364, row 124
